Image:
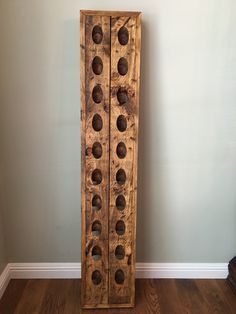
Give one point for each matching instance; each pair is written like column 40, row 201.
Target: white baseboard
column 45, row 270
column 143, row 270
column 4, row 279
column 182, row 270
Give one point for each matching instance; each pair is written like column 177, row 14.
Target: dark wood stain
column 12, row 296
column 153, row 296
column 110, row 71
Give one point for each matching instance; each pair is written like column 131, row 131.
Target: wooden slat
column 93, row 294
column 110, row 13
column 83, row 148
column 125, row 292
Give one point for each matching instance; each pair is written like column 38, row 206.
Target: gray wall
column 3, row 253
column 3, row 257
column 187, row 164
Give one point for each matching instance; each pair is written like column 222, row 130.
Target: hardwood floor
column 54, row 296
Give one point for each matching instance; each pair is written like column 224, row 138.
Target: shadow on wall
column 150, row 113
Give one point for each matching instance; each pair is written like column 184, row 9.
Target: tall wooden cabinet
column 110, row 72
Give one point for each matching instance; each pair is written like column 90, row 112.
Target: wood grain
column 190, row 296
column 12, row 296
column 95, row 294
column 109, row 65
column 168, row 288
column 164, row 296
column 123, row 293
column 212, row 297
column 54, row 299
column 33, row 286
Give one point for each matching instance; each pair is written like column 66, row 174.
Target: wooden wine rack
column 110, row 72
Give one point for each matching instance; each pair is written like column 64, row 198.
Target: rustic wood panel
column 125, row 43
column 110, row 62
column 95, row 129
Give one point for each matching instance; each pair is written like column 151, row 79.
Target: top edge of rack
column 110, row 13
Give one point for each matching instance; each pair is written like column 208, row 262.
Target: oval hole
column 96, row 203
column 122, row 66
column 120, row 252
column 121, row 176
column 97, row 65
column 123, row 36
column 122, row 96
column 121, row 123
column 97, row 122
column 96, row 228
column 97, row 34
column 97, row 94
column 119, row 277
column 121, row 150
column 96, row 253
column 120, row 202
column 96, row 176
column 97, row 150
column 96, row 277
column 120, row 227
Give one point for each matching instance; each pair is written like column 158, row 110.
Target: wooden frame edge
column 109, row 306
column 110, row 13
column 82, row 128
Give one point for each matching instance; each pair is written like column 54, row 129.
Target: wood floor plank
column 168, row 296
column 12, row 296
column 230, row 297
column 190, row 297
column 213, row 296
column 55, row 297
column 73, row 297
column 147, row 301
column 32, row 296
column 153, row 296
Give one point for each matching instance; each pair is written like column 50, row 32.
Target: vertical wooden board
column 123, row 155
column 83, row 147
column 110, row 65
column 95, row 81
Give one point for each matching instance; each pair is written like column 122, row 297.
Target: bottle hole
column 122, row 66
column 97, row 150
column 96, row 228
column 97, row 34
column 121, row 123
column 122, row 96
column 120, row 202
column 120, row 227
column 120, row 252
column 97, row 65
column 123, row 36
column 96, row 203
column 97, row 122
column 97, row 94
column 121, row 176
column 119, row 277
column 96, row 277
column 96, row 253
column 121, row 150
column 96, row 176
